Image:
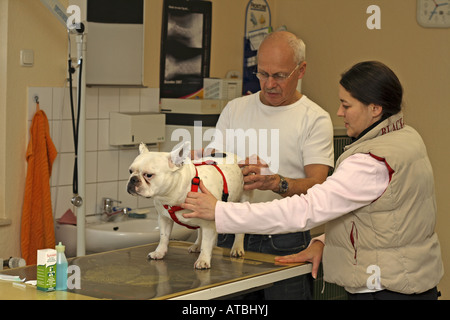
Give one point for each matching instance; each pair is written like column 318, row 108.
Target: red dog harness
column 194, row 188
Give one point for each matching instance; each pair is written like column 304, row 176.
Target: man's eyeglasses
column 278, row 77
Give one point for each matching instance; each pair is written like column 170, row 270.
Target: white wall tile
column 61, row 103
column 58, row 94
column 108, row 101
column 126, row 158
column 56, row 135
column 91, row 199
column 149, row 100
column 91, row 167
column 103, row 136
column 63, row 136
column 63, row 171
column 129, row 100
column 108, row 166
column 91, row 135
column 92, row 103
column 54, row 173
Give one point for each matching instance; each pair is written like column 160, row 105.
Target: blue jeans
column 298, row 288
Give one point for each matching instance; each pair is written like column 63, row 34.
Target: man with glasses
column 304, row 148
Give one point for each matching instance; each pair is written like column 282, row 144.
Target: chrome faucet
column 108, row 205
column 110, row 213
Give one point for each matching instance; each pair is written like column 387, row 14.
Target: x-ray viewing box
column 192, row 106
column 133, row 128
column 222, row 88
column 115, row 47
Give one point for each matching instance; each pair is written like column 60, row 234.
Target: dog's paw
column 237, row 252
column 195, row 248
column 202, row 264
column 156, row 255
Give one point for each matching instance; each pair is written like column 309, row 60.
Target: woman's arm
column 359, row 180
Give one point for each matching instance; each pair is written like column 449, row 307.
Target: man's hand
column 257, row 175
column 203, row 205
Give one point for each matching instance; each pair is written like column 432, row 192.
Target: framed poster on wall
column 185, row 48
column 257, row 25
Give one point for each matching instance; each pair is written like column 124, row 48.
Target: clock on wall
column 433, row 13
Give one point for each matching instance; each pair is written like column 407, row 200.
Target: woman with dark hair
column 379, row 205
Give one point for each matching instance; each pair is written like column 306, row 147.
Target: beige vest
column 390, row 243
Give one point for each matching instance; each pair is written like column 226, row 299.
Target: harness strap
column 172, row 211
column 194, row 188
column 225, row 185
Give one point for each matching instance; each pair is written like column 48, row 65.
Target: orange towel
column 37, row 220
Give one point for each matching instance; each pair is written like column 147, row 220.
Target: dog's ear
column 180, row 153
column 142, row 148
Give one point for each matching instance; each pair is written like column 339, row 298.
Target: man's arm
column 315, row 174
column 253, row 179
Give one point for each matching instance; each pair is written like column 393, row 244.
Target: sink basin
column 106, row 236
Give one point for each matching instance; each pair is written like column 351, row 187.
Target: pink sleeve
column 358, row 181
column 320, row 238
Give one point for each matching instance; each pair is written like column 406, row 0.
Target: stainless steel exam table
column 128, row 274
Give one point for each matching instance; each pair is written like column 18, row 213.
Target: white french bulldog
column 168, row 177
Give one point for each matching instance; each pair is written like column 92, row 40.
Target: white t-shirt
column 286, row 137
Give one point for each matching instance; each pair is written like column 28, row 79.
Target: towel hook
column 36, row 99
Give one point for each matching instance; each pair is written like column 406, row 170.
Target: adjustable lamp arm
column 73, row 22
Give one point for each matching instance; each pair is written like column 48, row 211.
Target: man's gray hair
column 297, row 44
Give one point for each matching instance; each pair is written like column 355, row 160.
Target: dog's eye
column 148, row 175
column 131, row 171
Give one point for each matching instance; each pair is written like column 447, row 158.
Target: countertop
column 127, row 274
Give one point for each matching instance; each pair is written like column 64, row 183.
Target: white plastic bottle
column 61, row 268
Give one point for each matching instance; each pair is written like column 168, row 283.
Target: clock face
column 433, row 13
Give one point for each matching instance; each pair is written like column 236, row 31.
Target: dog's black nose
column 134, row 180
column 131, row 187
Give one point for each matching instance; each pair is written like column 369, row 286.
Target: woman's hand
column 202, row 204
column 311, row 254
